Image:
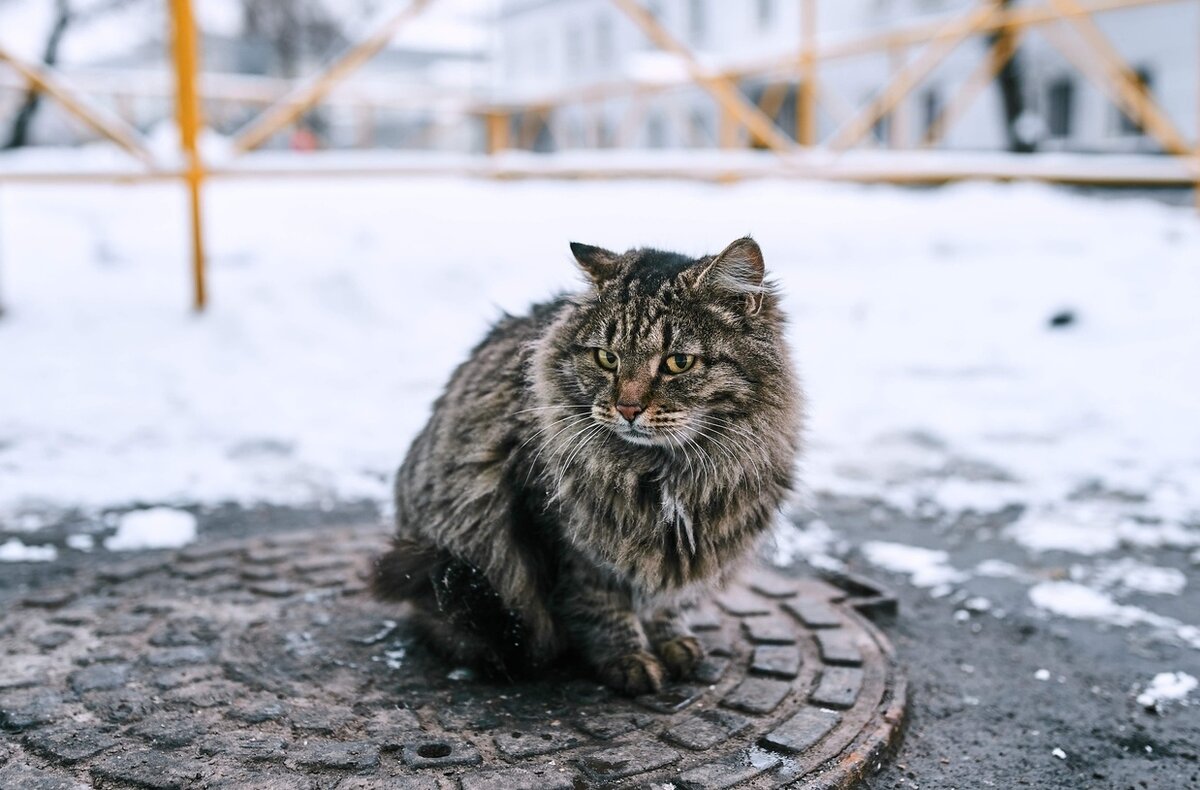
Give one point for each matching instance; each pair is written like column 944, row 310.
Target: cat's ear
column 738, row 269
column 597, row 263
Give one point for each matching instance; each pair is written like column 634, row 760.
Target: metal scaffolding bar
column 308, row 95
column 997, row 58
column 806, row 94
column 909, row 77
column 98, row 120
column 186, row 58
column 1135, row 99
column 720, row 87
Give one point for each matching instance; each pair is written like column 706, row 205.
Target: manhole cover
column 265, row 664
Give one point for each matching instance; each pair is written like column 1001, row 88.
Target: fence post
column 806, row 96
column 187, row 98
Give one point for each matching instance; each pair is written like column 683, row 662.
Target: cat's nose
column 629, row 411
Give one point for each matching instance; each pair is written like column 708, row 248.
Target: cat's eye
column 679, row 363
column 606, row 359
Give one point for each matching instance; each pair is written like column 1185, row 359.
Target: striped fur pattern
column 596, row 465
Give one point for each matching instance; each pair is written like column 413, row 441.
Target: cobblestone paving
column 263, row 663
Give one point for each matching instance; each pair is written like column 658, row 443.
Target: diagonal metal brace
column 719, row 86
column 310, row 93
column 97, row 119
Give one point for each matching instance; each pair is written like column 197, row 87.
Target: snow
column 339, row 306
column 1130, row 575
column 1094, row 528
column 814, row 543
column 925, row 567
column 1167, row 687
column 1080, row 602
column 15, row 551
column 153, row 528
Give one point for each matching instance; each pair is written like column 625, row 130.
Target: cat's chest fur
column 650, row 524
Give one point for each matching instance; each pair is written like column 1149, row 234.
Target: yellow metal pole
column 898, row 124
column 806, row 97
column 497, row 132
column 186, row 56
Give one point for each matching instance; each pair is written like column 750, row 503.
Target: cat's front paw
column 681, row 655
column 633, row 674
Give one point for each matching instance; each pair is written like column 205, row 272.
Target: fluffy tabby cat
column 596, row 465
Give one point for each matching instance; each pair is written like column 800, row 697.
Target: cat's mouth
column 638, row 434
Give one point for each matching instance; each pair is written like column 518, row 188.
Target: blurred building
column 548, row 49
column 413, row 94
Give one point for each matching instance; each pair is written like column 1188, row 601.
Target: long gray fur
column 534, row 518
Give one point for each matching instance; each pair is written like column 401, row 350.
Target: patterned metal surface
column 263, row 663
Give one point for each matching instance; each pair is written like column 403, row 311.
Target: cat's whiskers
column 549, row 408
column 575, row 423
column 715, row 441
column 704, row 457
column 728, row 427
column 737, row 459
column 567, row 462
column 545, row 428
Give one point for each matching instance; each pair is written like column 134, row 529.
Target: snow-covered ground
column 920, row 320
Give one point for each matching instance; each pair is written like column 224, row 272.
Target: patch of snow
column 1080, row 602
column 153, row 528
column 924, row 567
column 16, row 551
column 957, row 495
column 978, row 604
column 812, row 543
column 1128, row 574
column 1090, row 528
column 81, row 542
column 998, row 569
column 1167, row 687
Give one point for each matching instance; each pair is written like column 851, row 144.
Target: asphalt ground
column 1004, row 697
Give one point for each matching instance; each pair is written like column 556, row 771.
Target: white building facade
column 546, row 50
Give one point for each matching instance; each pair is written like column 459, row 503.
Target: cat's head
column 664, row 349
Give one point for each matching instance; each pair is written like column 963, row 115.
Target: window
column 882, row 129
column 604, row 41
column 1125, row 124
column 701, row 132
column 931, row 108
column 574, row 49
column 1060, row 107
column 766, row 14
column 697, row 21
column 656, row 131
column 606, row 133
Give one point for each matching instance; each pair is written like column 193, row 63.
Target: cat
column 597, row 465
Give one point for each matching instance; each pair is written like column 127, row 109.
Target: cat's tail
column 455, row 608
column 403, row 573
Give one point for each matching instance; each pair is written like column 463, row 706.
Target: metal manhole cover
column 265, row 664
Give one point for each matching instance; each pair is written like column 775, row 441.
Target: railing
column 744, row 123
